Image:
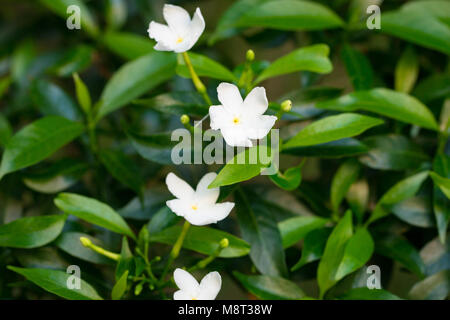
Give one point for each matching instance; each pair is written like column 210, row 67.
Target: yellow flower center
column 179, row 40
column 194, row 207
column 236, row 120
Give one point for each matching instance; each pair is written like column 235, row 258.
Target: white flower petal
column 162, row 47
column 185, row 281
column 260, row 126
column 256, row 102
column 236, row 136
column 221, row 210
column 230, row 97
column 162, row 34
column 178, row 187
column 210, row 286
column 177, row 18
column 181, row 295
column 179, row 207
column 196, row 27
column 205, row 195
column 220, row 117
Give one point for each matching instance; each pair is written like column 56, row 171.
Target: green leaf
column 69, row 242
column 154, row 199
column 57, row 177
column 313, row 247
column 290, row 179
column 416, row 211
column 38, row 141
column 204, row 240
column 116, row 14
column 433, row 88
column 156, row 147
column 442, row 183
column 334, row 253
column 436, row 256
column 93, row 211
column 226, row 27
column 43, row 257
column 270, row 288
column 31, row 232
column 346, row 147
column 234, row 172
column 127, row 45
column 435, row 287
column 75, row 60
column 358, row 198
column 162, row 219
column 5, row 131
column 313, row 58
column 294, row 229
column 55, row 281
column 126, row 261
column 290, row 15
column 332, row 128
column 123, row 169
column 392, row 152
column 406, row 71
column 345, row 176
column 395, row 105
column 5, row 82
column 52, row 100
column 418, row 23
column 83, row 95
column 441, row 203
column 368, row 294
column 134, row 79
column 399, row 249
column 204, row 67
column 358, row 251
column 60, row 7
column 120, row 287
column 259, row 228
column 358, row 68
column 402, row 190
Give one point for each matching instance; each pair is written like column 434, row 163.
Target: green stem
column 203, row 263
column 88, row 244
column 175, row 250
column 196, row 80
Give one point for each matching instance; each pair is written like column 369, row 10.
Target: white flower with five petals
column 198, row 206
column 190, row 289
column 239, row 120
column 181, row 33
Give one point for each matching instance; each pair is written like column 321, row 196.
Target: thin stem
column 88, row 244
column 175, row 250
column 196, row 80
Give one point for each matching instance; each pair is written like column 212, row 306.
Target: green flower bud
column 224, row 243
column 185, row 119
column 250, row 55
column 286, row 105
column 85, row 241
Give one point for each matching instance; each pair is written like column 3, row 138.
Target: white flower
column 190, row 289
column 198, row 207
column 239, row 120
column 181, row 33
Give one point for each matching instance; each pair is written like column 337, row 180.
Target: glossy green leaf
column 389, row 103
column 120, row 287
column 290, row 15
column 43, row 257
column 358, row 198
column 401, row 191
column 260, row 230
column 55, row 281
column 134, row 79
column 75, row 60
column 234, row 172
column 290, row 179
column 50, row 99
column 295, row 229
column 441, row 203
column 406, row 71
column 416, row 211
column 435, row 287
column 31, row 232
column 162, row 219
column 332, row 128
column 399, row 249
column 87, row 20
column 270, row 288
column 392, row 152
column 121, row 167
column 436, row 256
column 156, row 147
column 204, row 240
column 368, row 294
column 83, row 95
column 129, row 46
column 334, row 253
column 346, row 147
column 432, row 88
column 69, row 242
column 313, row 58
column 126, row 261
column 204, row 67
column 442, row 183
column 345, row 176
column 37, row 141
column 57, row 177
column 93, row 211
column 313, row 247
column 153, row 200
column 358, row 68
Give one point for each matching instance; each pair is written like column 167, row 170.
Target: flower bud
column 250, row 55
column 184, row 119
column 286, row 105
column 85, row 241
column 224, row 243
